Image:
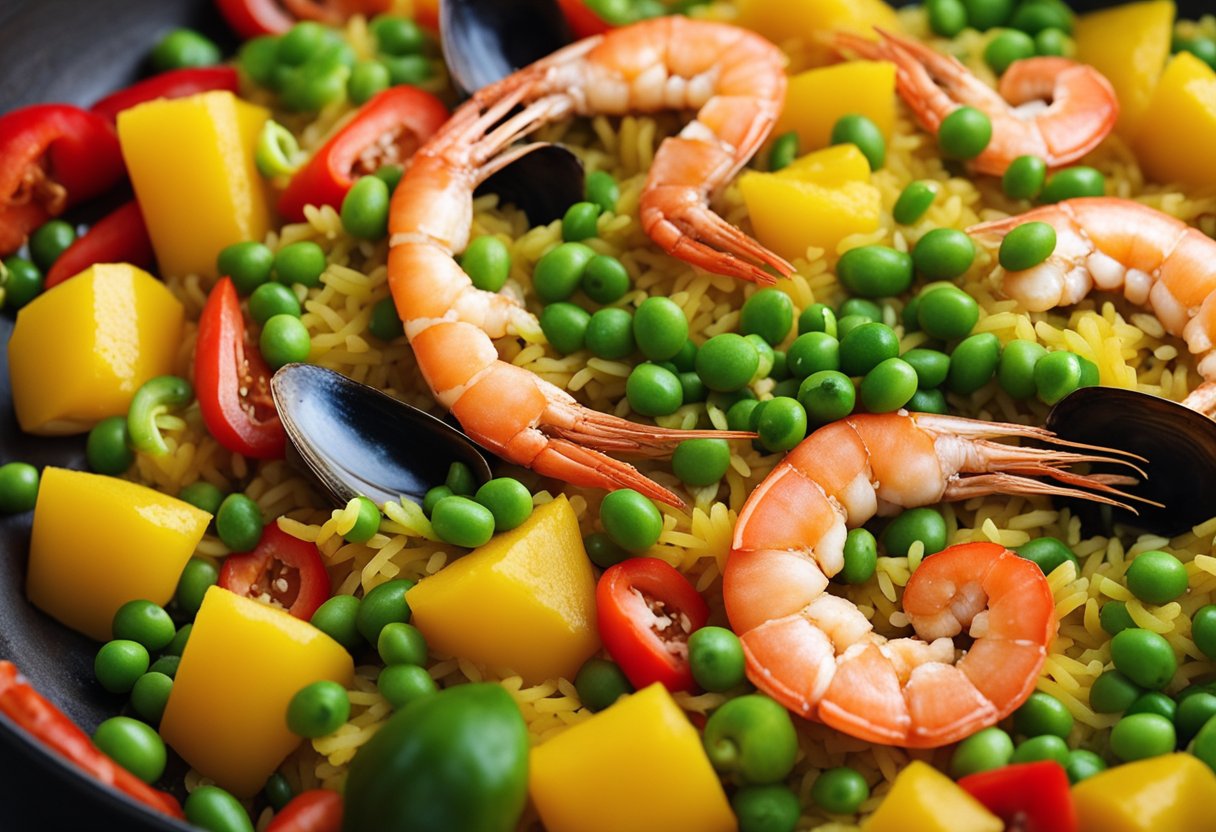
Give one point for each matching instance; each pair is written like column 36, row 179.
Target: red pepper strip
column 646, row 610
column 51, row 156
column 250, row 18
column 232, row 381
column 288, row 570
column 176, row 83
column 42, row 720
column 1029, row 797
column 583, row 22
column 388, row 129
column 118, row 237
column 316, row 810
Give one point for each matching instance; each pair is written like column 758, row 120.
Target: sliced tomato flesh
column 282, row 570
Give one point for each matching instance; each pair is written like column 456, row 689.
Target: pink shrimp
column 736, row 82
column 1158, row 261
column 1053, row 108
column 817, row 654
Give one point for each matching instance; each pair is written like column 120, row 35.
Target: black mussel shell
column 486, row 40
column 1178, row 443
column 543, row 183
column 354, row 440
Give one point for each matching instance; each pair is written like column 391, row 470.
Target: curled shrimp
column 1053, row 108
column 1158, row 262
column 736, row 82
column 817, row 654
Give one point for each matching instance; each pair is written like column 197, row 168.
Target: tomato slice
column 282, row 570
column 646, row 611
column 316, row 810
column 1029, row 797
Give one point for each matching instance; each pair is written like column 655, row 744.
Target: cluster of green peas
column 466, row 515
column 1027, row 28
column 22, row 278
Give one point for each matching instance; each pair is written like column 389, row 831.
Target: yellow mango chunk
column 926, row 800
column 99, row 542
column 1128, row 44
column 191, row 164
column 1179, row 134
column 816, row 99
column 806, row 20
column 524, row 601
column 789, row 214
column 830, row 167
column 244, row 661
column 1174, row 791
column 638, row 765
column 98, row 336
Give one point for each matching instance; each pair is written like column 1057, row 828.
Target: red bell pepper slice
column 232, row 381
column 387, row 130
column 52, row 156
column 176, row 83
column 118, row 237
column 37, row 716
column 1029, row 797
column 646, row 611
column 583, row 22
column 316, row 810
column 251, row 18
column 285, row 569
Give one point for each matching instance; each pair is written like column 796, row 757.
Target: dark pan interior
column 77, row 51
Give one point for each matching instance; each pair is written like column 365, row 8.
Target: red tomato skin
column 240, row 571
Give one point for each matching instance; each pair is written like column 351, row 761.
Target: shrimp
column 1157, row 260
column 817, row 653
column 735, row 80
column 1053, row 108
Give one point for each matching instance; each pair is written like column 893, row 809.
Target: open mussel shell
column 1178, row 443
column 486, row 40
column 354, row 440
column 543, row 184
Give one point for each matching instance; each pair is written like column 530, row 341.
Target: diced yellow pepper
column 244, row 661
column 816, row 99
column 1174, row 791
column 1128, row 44
column 79, row 352
column 639, row 765
column 807, row 20
column 788, row 214
column 191, row 164
column 1178, row 136
column 926, row 800
column 830, row 167
column 81, row 577
column 524, row 601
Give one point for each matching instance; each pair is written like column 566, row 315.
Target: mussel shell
column 1179, row 444
column 354, row 440
column 543, row 183
column 486, row 40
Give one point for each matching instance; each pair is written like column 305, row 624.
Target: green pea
column 580, row 220
column 365, row 209
column 108, row 448
column 213, row 809
column 1044, row 747
column 301, row 262
column 860, row 557
column 924, row 524
column 284, row 340
column 407, row 69
column 383, row 605
column 766, row 355
column 602, row 190
column 565, row 325
column 249, row 264
column 1192, row 714
column 1027, row 245
column 1047, row 553
column 133, row 745
column 119, row 664
column 1034, row 16
column 397, row 35
column 914, row 200
column 827, row 395
column 1156, row 577
column 367, row 79
column 462, row 522
column 686, row 359
column 487, row 262
column 1042, row 714
column 272, row 299
column 278, row 791
column 660, row 329
column 184, row 49
column 178, row 644
column 1024, row 178
column 600, row 683
column 1081, row 765
column 947, row 313
column 1140, row 736
column 867, row 346
column 313, row 85
column 782, row 424
column 460, row 479
column 401, row 684
column 239, row 523
column 985, row 750
column 1154, row 702
column 964, row 134
column 50, row 240
column 1008, row 46
column 605, row 280
column 946, row 17
column 784, row 151
column 867, row 309
column 987, row 14
column 1015, row 371
column 401, row 643
column 875, row 271
column 258, row 58
column 508, row 499
column 631, row 519
column 338, row 618
column 367, row 523
column 1144, row 657
column 202, row 495
column 301, row 42
column 739, row 414
column 768, row 313
column 766, row 808
column 145, row 623
column 1073, row 182
column 888, row 387
column 973, row 363
column 167, row 665
column 811, row 353
column 150, row 695
column 653, row 390
column 1115, row 618
column 864, row 134
column 817, row 318
column 433, row 496
column 715, row 656
column 932, row 367
column 197, row 577
column 943, row 254
column 701, row 462
column 390, row 175
column 1203, row 629
column 20, row 282
column 603, row 551
column 840, row 790
column 1051, row 42
column 18, row 487
column 318, row 709
column 385, row 324
column 1202, row 48
column 1056, row 375
column 752, row 737
column 725, row 362
column 609, row 334
column 1090, row 376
